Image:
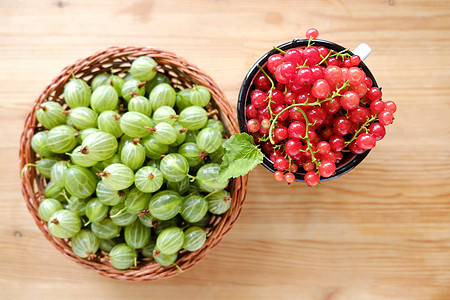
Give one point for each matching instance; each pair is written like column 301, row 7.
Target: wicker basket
column 181, row 74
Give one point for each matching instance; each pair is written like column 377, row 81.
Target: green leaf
column 241, row 156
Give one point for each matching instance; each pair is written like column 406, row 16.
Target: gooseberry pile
column 310, row 105
column 132, row 164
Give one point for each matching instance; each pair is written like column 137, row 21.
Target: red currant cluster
column 311, row 104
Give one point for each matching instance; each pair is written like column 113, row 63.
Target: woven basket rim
column 181, row 72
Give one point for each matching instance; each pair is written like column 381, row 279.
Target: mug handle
column 363, row 50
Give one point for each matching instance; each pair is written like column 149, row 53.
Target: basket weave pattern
column 182, row 74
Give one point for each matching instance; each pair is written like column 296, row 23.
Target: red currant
column 289, row 178
column 355, row 76
column 354, row 148
column 304, row 76
column 374, row 93
column 274, row 61
column 284, row 115
column 365, row 141
column 258, row 98
column 377, row 106
column 355, row 60
column 337, row 143
column 290, row 98
column 280, row 133
column 253, row 125
column 349, row 100
column 341, row 126
column 312, row 33
column 359, row 114
column 377, row 130
column 278, row 176
column 262, row 82
column 332, row 106
column 316, row 115
column 294, row 56
column 327, row 168
column 320, row 89
column 251, row 111
column 287, row 69
column 385, row 117
column 333, row 75
column 293, row 147
column 281, row 164
column 312, row 178
column 391, row 106
column 297, row 130
column 311, row 56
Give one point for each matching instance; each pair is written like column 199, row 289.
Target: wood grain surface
column 381, row 231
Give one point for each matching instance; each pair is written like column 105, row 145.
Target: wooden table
column 380, row 232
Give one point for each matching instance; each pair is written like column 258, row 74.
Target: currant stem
column 276, row 48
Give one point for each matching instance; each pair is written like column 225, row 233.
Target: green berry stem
column 282, row 51
column 363, row 126
column 119, row 212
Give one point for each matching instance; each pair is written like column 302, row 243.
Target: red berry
column 311, row 56
column 264, row 114
column 368, row 82
column 341, row 126
column 391, row 106
column 304, row 76
column 251, row 111
column 359, row 114
column 284, row 115
column 287, row 69
column 278, row 176
column 355, row 75
column 320, row 89
column 377, row 130
column 262, row 82
column 333, row 75
column 294, row 167
column 289, row 178
column 323, row 147
column 354, row 148
column 308, row 166
column 290, row 98
column 317, row 72
column 316, row 115
column 377, row 106
column 267, row 147
column 333, row 61
column 360, row 89
column 330, row 156
column 297, row 130
column 338, row 155
column 281, row 164
column 327, row 168
column 312, row 178
column 275, row 154
column 294, row 56
column 374, row 93
column 349, row 100
column 332, row 106
column 280, row 133
column 365, row 141
column 295, row 114
column 347, row 63
column 253, row 125
column 355, row 60
column 312, row 33
column 323, row 51
column 258, row 98
column 279, row 77
column 277, row 98
column 326, row 133
column 293, row 147
column 274, row 61
column 385, row 117
column 337, row 143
